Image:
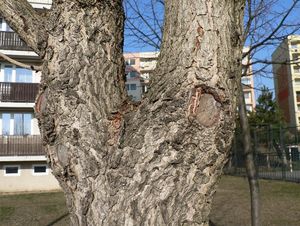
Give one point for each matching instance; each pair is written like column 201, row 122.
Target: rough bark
column 26, row 22
column 249, row 161
column 153, row 164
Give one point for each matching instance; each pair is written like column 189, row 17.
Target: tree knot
column 204, row 106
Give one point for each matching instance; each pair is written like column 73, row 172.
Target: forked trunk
column 153, row 164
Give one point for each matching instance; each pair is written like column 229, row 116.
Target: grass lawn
column 280, row 203
column 41, row 209
column 231, row 206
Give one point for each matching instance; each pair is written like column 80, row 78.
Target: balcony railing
column 11, row 41
column 21, row 145
column 18, row 92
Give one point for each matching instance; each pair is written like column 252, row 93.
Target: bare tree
column 144, row 22
column 119, row 164
column 265, row 26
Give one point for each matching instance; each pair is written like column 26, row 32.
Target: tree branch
column 10, row 60
column 279, row 25
column 22, row 18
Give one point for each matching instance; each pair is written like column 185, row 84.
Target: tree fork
column 157, row 163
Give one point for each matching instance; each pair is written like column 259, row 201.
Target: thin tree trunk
column 153, row 164
column 249, row 160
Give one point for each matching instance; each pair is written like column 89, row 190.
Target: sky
column 132, row 44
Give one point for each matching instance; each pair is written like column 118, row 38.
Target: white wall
column 26, row 181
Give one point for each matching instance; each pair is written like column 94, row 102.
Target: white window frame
column 12, row 122
column 14, row 73
column 12, row 174
column 40, row 174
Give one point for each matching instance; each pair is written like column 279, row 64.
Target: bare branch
column 21, row 16
column 10, row 60
column 275, row 30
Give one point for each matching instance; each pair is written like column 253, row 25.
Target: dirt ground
column 231, row 206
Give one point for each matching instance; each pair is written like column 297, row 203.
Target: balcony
column 21, row 145
column 18, row 92
column 11, row 41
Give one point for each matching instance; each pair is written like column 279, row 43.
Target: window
column 13, row 73
column 130, row 62
column 298, row 96
column 4, row 26
column 298, row 107
column 249, row 107
column 294, row 45
column 8, row 73
column 297, row 82
column 132, row 86
column 246, row 80
column 247, row 95
column 22, row 123
column 127, row 87
column 16, row 123
column 297, row 69
column 5, row 123
column 296, row 57
column 23, row 75
column 39, row 170
column 12, row 170
column 132, row 74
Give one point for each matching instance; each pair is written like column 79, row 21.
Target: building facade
column 23, row 165
column 286, row 72
column 248, row 84
column 139, row 66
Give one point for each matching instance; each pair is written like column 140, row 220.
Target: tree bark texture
column 156, row 163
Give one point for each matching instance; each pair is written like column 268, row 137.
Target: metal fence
column 276, row 153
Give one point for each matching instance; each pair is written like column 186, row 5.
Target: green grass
column 6, row 212
column 39, row 209
column 280, row 203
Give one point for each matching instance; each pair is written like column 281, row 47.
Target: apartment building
column 286, row 71
column 248, row 84
column 23, row 165
column 139, row 67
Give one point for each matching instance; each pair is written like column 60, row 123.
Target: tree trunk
column 249, row 161
column 152, row 164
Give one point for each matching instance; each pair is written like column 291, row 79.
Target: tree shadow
column 58, row 219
